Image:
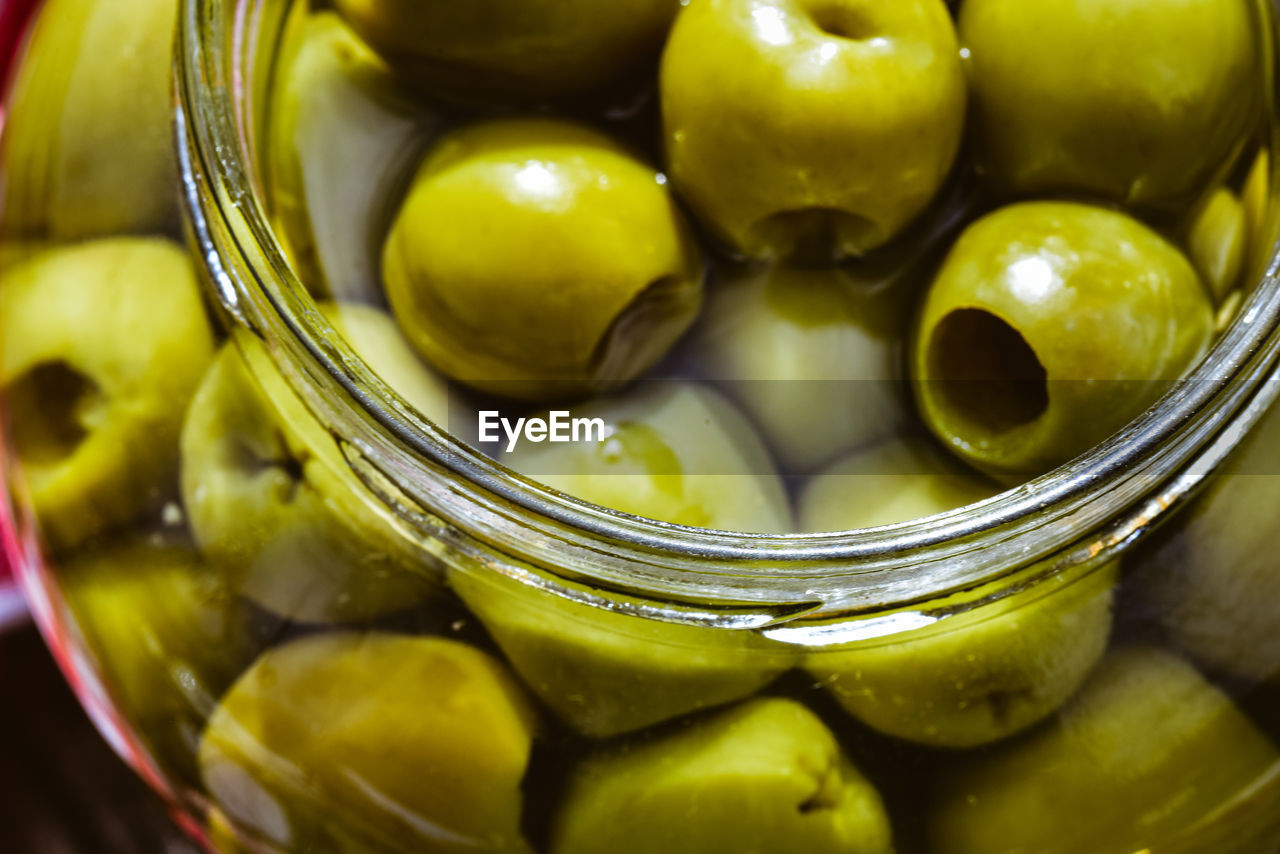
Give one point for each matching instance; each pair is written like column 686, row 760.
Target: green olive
column 540, row 259
column 88, row 150
column 811, row 127
column 101, row 346
column 1147, row 750
column 1217, row 241
column 513, row 50
column 979, row 675
column 1260, row 224
column 353, row 743
column 766, row 776
column 677, row 452
column 604, row 671
column 341, row 137
column 811, row 355
column 1211, row 582
column 167, row 634
column 1136, row 101
column 273, row 504
column 1049, row 327
column 898, row 480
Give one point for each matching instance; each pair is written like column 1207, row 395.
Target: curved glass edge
column 450, row 494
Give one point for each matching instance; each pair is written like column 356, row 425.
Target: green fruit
column 1217, row 241
column 540, row 259
column 799, row 127
column 88, row 149
column 1049, row 327
column 604, row 671
column 1259, row 223
column 811, row 356
column 1212, row 582
column 166, row 634
column 101, row 347
column 1147, row 750
column 979, row 675
column 899, row 480
column 765, row 777
column 341, row 137
column 273, row 504
column 372, row 742
column 672, row 451
column 1137, row 101
column 513, row 50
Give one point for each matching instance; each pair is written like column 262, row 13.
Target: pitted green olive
column 539, row 259
column 1147, row 750
column 272, row 503
column 341, row 137
column 513, row 50
column 1049, row 327
column 817, row 129
column 1136, row 101
column 981, row 675
column 101, row 346
column 353, row 743
column 88, row 150
column 811, row 354
column 604, row 671
column 677, row 452
column 766, row 776
column 168, row 635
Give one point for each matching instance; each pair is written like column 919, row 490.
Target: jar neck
column 446, row 495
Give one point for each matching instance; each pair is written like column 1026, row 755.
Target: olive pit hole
column 636, row 336
column 839, row 19
column 983, row 370
column 50, row 404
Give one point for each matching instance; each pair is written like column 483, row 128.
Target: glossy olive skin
column 604, row 671
column 1135, row 101
column 88, row 148
column 1049, row 327
column 1260, row 221
column 353, row 742
column 1218, row 240
column 168, row 635
column 811, row 355
column 102, row 345
column 513, row 51
column 273, row 504
column 539, row 259
column 795, row 127
column 766, row 776
column 1147, row 749
column 979, row 677
column 676, row 452
column 342, row 135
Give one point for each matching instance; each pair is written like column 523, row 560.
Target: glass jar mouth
column 1097, row 503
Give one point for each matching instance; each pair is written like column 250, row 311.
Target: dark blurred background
column 62, row 789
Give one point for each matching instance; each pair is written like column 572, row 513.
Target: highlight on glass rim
column 651, row 426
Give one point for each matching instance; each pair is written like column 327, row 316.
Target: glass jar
column 378, row 638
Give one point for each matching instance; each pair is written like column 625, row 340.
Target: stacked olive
column 814, row 265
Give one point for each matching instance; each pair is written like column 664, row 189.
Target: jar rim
column 1112, row 493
